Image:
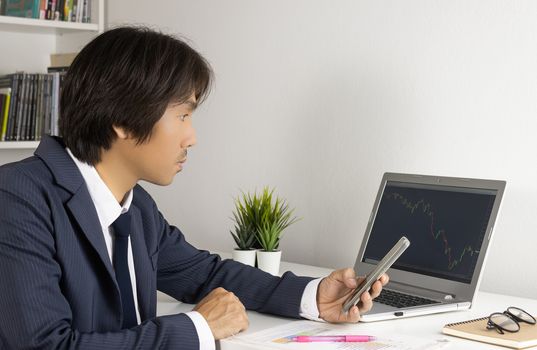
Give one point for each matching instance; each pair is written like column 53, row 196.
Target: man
column 83, row 248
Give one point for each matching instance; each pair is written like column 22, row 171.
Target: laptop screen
column 446, row 226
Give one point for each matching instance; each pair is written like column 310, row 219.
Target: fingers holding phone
column 366, row 299
column 376, row 288
column 378, row 271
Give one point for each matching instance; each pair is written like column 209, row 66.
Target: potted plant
column 245, row 231
column 273, row 216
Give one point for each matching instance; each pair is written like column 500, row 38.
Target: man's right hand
column 224, row 313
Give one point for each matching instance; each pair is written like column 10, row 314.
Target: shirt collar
column 108, row 208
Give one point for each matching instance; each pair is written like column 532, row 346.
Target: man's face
column 162, row 156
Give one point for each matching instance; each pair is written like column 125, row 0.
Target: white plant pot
column 246, row 257
column 269, row 261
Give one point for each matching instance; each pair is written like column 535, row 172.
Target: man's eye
column 183, row 117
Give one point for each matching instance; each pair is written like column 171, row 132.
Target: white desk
column 422, row 326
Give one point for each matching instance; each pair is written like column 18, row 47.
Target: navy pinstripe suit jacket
column 57, row 285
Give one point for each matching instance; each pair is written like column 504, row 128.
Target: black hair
column 126, row 77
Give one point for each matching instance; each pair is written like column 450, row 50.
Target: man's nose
column 191, row 139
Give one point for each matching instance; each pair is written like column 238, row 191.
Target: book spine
column 6, row 114
column 63, row 69
column 39, row 109
column 85, row 12
column 37, row 8
column 48, row 102
column 12, row 105
column 29, row 107
column 28, row 115
column 15, row 98
column 61, row 10
column 5, row 81
column 25, row 109
column 57, row 6
column 31, row 132
column 3, row 7
column 50, row 9
column 3, row 102
column 79, row 10
column 73, row 10
column 21, row 120
column 66, row 10
column 55, row 103
column 20, row 8
column 17, row 122
column 39, row 114
column 53, row 9
column 70, row 11
column 43, row 9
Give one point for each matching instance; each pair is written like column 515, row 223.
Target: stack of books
column 29, row 105
column 58, row 10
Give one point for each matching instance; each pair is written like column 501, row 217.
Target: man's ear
column 120, row 132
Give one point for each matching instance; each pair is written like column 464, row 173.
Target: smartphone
column 378, row 271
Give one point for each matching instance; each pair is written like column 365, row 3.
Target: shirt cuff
column 308, row 303
column 205, row 335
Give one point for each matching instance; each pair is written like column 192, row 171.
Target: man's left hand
column 335, row 289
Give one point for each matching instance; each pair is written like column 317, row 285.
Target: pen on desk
column 333, row 338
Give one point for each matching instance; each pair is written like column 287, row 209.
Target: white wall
column 14, row 54
column 318, row 98
column 28, row 49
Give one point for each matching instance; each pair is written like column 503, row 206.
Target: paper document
column 280, row 337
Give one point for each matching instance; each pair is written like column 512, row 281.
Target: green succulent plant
column 245, row 229
column 263, row 217
column 275, row 216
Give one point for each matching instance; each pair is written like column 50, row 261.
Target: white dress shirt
column 108, row 210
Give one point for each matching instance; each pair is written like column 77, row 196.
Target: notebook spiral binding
column 464, row 322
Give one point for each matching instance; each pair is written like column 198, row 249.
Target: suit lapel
column 52, row 151
column 81, row 206
column 145, row 275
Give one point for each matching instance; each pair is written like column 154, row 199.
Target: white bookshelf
column 19, row 144
column 27, row 44
column 8, row 23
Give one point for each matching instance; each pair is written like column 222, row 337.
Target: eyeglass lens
column 521, row 315
column 504, row 322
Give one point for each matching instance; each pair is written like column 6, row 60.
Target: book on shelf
column 22, row 8
column 62, row 59
column 57, row 10
column 5, row 97
column 30, row 105
column 60, row 62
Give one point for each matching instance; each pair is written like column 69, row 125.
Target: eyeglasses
column 508, row 320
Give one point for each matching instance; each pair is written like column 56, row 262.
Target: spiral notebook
column 477, row 330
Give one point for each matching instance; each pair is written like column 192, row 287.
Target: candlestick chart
column 446, row 229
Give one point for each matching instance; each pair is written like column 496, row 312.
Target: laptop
column 449, row 222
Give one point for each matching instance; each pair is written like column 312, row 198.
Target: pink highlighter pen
column 333, row 338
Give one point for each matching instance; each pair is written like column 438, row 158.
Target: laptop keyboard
column 401, row 300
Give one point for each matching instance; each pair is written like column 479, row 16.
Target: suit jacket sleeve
column 188, row 274
column 34, row 312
